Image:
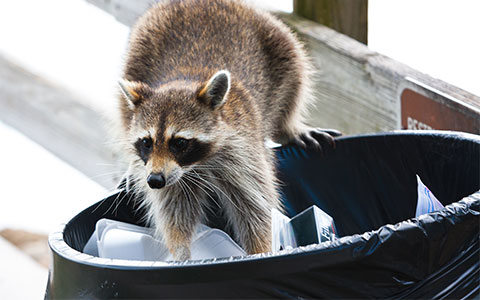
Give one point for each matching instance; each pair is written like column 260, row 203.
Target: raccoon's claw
column 332, row 132
column 317, row 139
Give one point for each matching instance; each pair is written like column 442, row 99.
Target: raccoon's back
column 192, row 39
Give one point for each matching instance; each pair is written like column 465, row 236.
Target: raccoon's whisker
column 137, row 160
column 209, row 176
column 183, row 186
column 135, row 182
column 115, row 210
column 211, row 184
column 119, row 139
column 101, row 203
column 191, row 178
column 206, row 206
column 98, row 205
column 117, row 143
column 197, row 167
column 203, row 165
column 180, row 181
column 107, row 174
column 106, row 164
column 113, row 203
column 137, row 196
column 193, row 193
column 136, row 188
column 204, row 174
column 198, row 183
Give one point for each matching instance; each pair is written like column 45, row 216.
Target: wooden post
column 349, row 17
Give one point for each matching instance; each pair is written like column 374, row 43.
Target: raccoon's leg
column 249, row 194
column 250, row 218
column 289, row 125
column 178, row 240
column 175, row 218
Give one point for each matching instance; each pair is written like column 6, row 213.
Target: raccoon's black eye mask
column 185, row 151
column 192, row 150
column 144, row 148
column 178, row 145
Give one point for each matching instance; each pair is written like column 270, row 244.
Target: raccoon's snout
column 156, row 180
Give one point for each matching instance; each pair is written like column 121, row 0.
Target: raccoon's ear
column 215, row 91
column 131, row 91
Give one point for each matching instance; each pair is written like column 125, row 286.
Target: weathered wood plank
column 57, row 120
column 345, row 16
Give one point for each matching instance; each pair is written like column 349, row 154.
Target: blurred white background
column 438, row 37
column 80, row 47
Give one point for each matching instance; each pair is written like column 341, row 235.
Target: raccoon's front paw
column 178, row 243
column 180, row 253
column 317, row 138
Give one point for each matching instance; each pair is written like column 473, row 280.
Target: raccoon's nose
column 156, row 180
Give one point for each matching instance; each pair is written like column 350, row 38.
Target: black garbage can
column 367, row 184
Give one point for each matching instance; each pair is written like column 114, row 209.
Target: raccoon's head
column 173, row 127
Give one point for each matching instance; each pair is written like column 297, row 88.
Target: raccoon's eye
column 179, row 144
column 147, row 143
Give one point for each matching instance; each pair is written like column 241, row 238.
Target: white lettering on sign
column 417, row 125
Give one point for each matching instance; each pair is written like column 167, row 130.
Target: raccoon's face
column 175, row 127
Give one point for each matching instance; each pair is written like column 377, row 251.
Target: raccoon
column 205, row 83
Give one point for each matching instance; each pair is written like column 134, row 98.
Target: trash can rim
column 403, row 132
column 60, row 247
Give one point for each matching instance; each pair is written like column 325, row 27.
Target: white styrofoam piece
column 282, row 233
column 119, row 240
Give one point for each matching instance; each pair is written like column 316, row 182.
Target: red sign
column 421, row 112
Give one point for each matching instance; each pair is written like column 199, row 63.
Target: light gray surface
column 20, row 277
column 57, row 120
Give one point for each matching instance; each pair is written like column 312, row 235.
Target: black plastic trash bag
column 367, row 184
